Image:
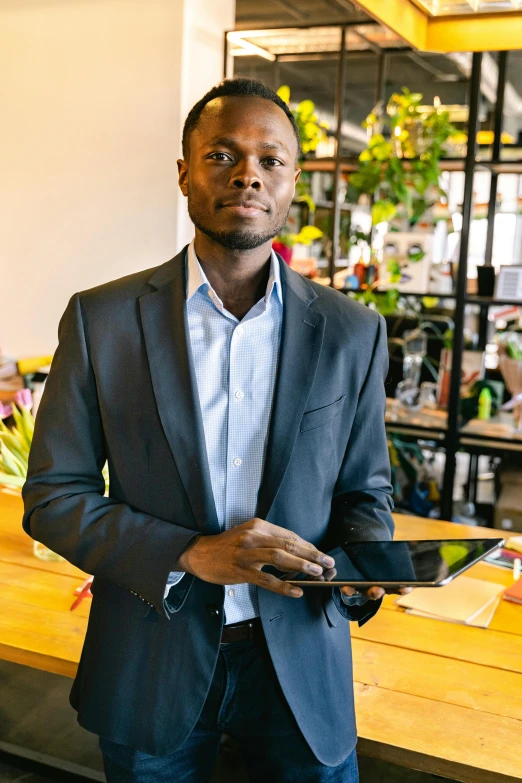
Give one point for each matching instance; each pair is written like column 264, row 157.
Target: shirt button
column 239, row 394
column 238, row 461
column 231, row 592
column 239, row 330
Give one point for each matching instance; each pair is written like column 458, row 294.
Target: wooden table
column 432, row 424
column 430, row 695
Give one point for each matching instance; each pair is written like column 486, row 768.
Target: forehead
column 246, row 118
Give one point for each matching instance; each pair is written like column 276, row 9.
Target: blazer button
column 213, row 610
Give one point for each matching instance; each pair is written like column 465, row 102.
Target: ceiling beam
column 291, row 9
column 401, row 16
column 345, row 5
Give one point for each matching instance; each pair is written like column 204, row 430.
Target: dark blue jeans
column 246, row 702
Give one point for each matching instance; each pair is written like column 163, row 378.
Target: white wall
column 93, row 96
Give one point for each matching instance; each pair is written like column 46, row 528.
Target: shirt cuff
column 173, row 578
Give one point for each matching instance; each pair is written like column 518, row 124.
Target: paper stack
column 514, row 543
column 514, row 593
column 464, row 600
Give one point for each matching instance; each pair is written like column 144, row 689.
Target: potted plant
column 399, row 172
column 285, row 241
column 403, row 170
column 312, row 131
column 15, row 443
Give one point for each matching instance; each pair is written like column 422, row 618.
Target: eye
column 220, row 156
column 273, row 162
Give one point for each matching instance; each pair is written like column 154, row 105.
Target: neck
column 239, row 277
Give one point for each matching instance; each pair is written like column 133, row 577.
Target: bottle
column 359, row 271
column 484, row 404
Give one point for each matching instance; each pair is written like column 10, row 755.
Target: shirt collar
column 197, row 279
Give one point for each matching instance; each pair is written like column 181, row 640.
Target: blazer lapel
column 301, row 341
column 164, row 321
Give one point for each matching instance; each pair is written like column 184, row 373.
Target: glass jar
column 43, row 552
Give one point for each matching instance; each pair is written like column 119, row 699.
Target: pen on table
column 516, row 568
column 84, row 590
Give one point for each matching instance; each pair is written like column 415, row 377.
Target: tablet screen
column 405, row 562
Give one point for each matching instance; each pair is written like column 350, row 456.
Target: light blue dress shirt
column 236, row 368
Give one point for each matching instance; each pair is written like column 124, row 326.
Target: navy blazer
column 122, row 388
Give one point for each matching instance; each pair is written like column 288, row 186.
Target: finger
column 303, row 549
column 326, row 576
column 399, row 590
column 330, row 574
column 269, row 582
column 291, row 542
column 347, row 590
column 282, row 560
column 375, row 592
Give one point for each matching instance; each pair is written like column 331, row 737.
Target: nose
column 245, row 175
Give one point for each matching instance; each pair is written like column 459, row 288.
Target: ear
column 297, row 174
column 183, row 176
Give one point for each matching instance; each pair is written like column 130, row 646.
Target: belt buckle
column 243, row 632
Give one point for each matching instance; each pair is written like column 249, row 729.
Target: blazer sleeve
column 64, row 503
column 362, row 501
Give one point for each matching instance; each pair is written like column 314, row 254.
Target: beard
column 241, row 238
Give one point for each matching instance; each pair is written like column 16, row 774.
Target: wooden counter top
column 430, row 695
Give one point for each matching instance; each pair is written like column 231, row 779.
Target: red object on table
column 514, row 593
column 82, row 591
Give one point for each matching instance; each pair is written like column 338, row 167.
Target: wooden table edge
column 423, row 762
column 36, row 660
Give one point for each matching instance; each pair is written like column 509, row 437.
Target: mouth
column 245, row 208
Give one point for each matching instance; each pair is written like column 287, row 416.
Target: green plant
column 510, row 343
column 385, row 303
column 15, row 441
column 311, row 130
column 404, row 168
column 306, row 236
column 14, row 447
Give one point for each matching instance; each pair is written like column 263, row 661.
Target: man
column 241, row 411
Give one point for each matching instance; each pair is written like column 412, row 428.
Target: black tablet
column 400, row 563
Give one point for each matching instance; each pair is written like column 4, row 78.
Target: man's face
column 241, row 171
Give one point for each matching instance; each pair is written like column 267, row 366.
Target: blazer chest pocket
column 320, row 416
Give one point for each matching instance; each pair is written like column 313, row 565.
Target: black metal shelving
column 450, row 438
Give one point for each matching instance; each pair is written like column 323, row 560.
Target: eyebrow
column 228, row 141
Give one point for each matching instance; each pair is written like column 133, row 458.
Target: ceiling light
column 245, row 47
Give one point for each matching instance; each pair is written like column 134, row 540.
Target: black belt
column 242, row 632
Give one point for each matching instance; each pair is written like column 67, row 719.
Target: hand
column 376, row 592
column 238, row 555
column 373, row 593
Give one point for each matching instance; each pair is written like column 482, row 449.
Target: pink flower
column 24, row 398
column 5, row 410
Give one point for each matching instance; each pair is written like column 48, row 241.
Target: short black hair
column 234, row 87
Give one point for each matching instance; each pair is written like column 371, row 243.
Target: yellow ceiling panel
column 477, row 33
column 470, row 29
